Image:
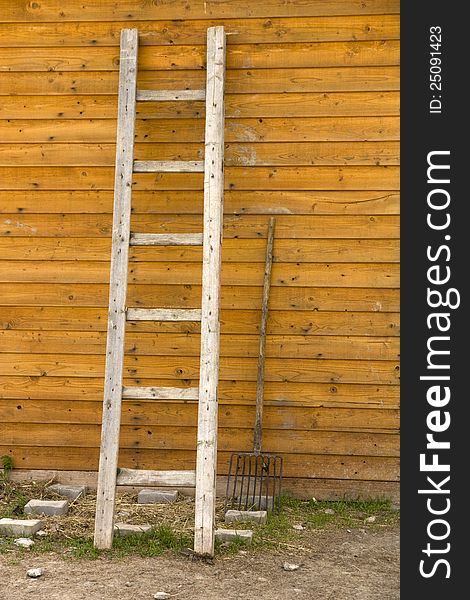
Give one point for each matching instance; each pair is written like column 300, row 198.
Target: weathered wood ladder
column 204, row 477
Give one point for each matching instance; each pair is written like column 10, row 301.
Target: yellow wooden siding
column 312, row 136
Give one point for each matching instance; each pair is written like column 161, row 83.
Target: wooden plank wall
column 312, row 136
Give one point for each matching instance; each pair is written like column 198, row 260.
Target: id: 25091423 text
column 435, row 69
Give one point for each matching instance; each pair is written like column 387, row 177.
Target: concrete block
column 124, row 529
column 69, row 491
column 20, row 527
column 46, row 507
column 149, row 496
column 263, row 503
column 230, row 535
column 246, row 516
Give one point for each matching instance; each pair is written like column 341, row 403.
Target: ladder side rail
column 206, row 457
column 109, row 450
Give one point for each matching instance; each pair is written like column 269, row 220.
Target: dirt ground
column 360, row 564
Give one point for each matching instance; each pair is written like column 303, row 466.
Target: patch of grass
column 12, row 500
column 81, row 548
column 72, row 535
column 152, row 543
column 314, row 515
column 222, row 548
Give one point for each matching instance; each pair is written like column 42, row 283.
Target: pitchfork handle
column 258, row 433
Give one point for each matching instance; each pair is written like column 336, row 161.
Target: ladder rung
column 160, row 393
column 169, row 95
column 166, row 239
column 168, row 166
column 160, row 478
column 163, row 314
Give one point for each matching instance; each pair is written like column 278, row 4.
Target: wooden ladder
column 204, row 477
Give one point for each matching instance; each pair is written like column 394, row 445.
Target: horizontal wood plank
column 159, row 478
column 236, row 154
column 304, row 488
column 182, row 32
column 190, row 130
column 282, row 394
column 170, row 96
column 332, row 467
column 160, row 393
column 244, row 369
column 256, row 56
column 241, row 178
column 234, row 250
column 163, row 314
column 238, row 81
column 237, row 202
column 300, row 346
column 368, row 107
column 108, row 10
column 168, row 166
column 367, row 275
column 325, row 226
column 368, row 443
column 165, row 239
column 179, row 414
column 77, row 296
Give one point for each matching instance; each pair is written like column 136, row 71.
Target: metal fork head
column 254, row 482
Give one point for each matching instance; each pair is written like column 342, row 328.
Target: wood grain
column 282, row 394
column 363, row 105
column 77, row 296
column 130, row 10
column 238, row 202
column 158, row 58
column 239, row 81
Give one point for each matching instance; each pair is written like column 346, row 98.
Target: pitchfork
column 254, row 478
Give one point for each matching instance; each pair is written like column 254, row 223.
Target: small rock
column 298, row 527
column 290, row 566
column 262, row 579
column 151, row 496
column 41, row 533
column 24, row 542
column 348, row 530
column 46, row 507
column 296, row 590
column 161, row 595
column 329, row 511
column 128, row 584
column 243, row 552
column 34, row 573
column 69, row 491
column 371, row 519
column 125, row 529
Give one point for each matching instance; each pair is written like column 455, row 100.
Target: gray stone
column 230, row 535
column 46, row 507
column 34, row 573
column 20, row 527
column 371, row 519
column 149, row 496
column 69, row 491
column 329, row 511
column 161, row 595
column 246, row 516
column 290, row 566
column 24, row 542
column 124, row 529
column 262, row 503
